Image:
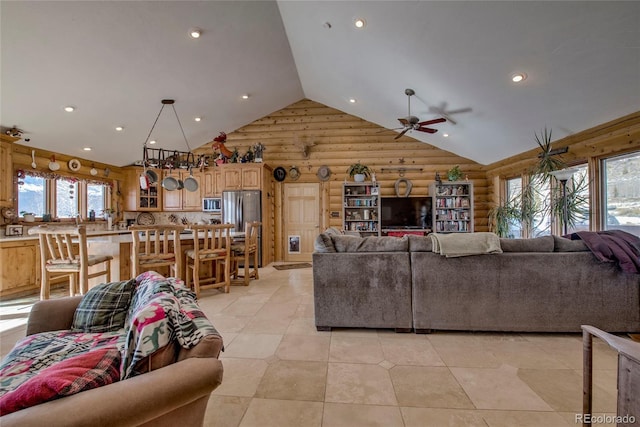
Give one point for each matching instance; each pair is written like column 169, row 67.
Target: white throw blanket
column 464, row 244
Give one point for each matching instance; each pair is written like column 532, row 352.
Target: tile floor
column 279, row 371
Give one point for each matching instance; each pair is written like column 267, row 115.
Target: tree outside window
column 621, row 193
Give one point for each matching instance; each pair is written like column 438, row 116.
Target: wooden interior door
column 301, row 206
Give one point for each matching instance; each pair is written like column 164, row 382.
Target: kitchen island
column 20, row 258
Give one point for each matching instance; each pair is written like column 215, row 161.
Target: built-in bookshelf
column 361, row 208
column 452, row 207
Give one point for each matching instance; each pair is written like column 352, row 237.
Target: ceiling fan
column 442, row 111
column 414, row 123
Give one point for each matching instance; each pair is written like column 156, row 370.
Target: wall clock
column 74, row 165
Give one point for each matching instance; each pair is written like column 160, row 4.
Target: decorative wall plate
column 146, row 218
column 74, row 165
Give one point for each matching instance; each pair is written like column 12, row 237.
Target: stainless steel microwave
column 212, row 204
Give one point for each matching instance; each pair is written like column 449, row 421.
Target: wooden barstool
column 215, row 249
column 156, row 246
column 64, row 252
column 243, row 252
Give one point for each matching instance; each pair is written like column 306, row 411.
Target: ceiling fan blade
column 430, row 122
column 461, row 110
column 405, row 122
column 402, row 133
column 428, row 130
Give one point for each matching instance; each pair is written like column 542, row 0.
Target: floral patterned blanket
column 162, row 310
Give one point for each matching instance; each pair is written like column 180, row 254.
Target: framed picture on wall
column 374, row 191
column 294, row 244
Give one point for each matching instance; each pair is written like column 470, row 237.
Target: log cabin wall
column 618, row 136
column 336, row 139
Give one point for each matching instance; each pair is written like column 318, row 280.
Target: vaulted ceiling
column 115, row 61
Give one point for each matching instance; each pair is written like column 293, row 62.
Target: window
column 63, row 197
column 540, row 199
column 66, row 197
column 578, row 189
column 514, row 196
column 621, row 193
column 96, row 198
column 32, row 195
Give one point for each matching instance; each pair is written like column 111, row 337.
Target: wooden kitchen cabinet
column 207, row 181
column 19, row 267
column 218, row 184
column 182, row 200
column 243, row 176
column 6, row 171
column 137, row 199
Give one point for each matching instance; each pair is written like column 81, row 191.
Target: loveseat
column 158, row 368
column 546, row 284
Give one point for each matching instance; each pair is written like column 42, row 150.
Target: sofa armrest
column 134, row 401
column 52, row 315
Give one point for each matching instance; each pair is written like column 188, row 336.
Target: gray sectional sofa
column 547, row 284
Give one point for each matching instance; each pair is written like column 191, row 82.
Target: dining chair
column 245, row 252
column 211, row 244
column 156, row 246
column 64, row 252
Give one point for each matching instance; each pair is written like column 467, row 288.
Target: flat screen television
column 405, row 212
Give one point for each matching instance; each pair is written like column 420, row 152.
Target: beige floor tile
column 360, row 384
column 466, row 355
column 276, row 310
column 355, row 332
column 294, row 380
column 524, row 419
column 340, row 415
column 282, row 413
column 403, row 349
column 428, row 387
column 436, row 417
column 241, row 377
column 498, row 389
column 306, row 310
column 562, row 389
column 526, row 355
column 271, row 325
column 304, row 347
column 253, row 346
column 228, row 323
column 238, row 308
column 305, row 326
column 355, row 349
column 225, row 411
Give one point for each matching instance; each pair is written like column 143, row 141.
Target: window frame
column 81, row 197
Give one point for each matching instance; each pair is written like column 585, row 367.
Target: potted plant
column 28, row 216
column 454, row 173
column 359, row 172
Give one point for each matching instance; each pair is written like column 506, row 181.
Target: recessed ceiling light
column 327, row 25
column 518, row 77
column 353, row 100
column 87, row 148
column 197, row 119
column 245, row 96
column 69, row 109
column 446, row 135
column 119, row 128
column 152, row 141
column 195, row 33
column 359, row 23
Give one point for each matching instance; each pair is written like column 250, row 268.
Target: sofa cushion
column 83, row 372
column 104, row 308
column 420, row 243
column 562, row 244
column 370, row 244
column 537, row 244
column 324, row 244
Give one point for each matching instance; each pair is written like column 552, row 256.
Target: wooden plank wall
column 337, row 140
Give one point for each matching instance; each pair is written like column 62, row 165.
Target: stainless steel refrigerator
column 240, row 207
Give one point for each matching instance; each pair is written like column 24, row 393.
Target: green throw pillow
column 104, row 307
